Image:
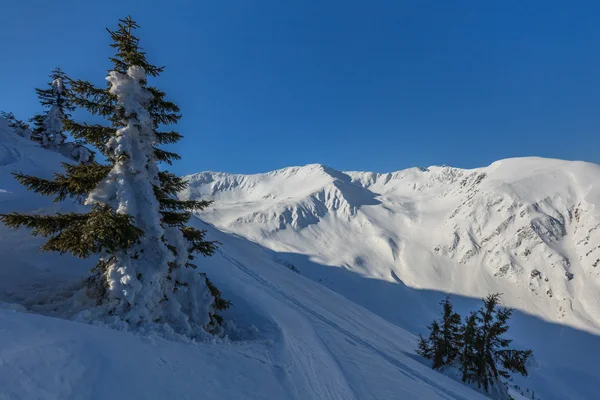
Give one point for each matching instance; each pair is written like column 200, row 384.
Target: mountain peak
column 507, row 219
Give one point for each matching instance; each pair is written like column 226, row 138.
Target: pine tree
column 442, row 345
column 136, row 223
column 424, row 348
column 20, row 127
column 435, row 340
column 450, row 332
column 49, row 126
column 492, row 357
column 468, row 337
column 431, row 348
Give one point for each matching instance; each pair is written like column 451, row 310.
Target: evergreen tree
column 478, row 345
column 49, row 126
column 450, row 331
column 424, row 347
column 21, row 128
column 431, row 348
column 442, row 345
column 468, row 337
column 435, row 341
column 492, row 357
column 136, row 222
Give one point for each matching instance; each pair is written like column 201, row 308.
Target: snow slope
column 293, row 338
column 527, row 228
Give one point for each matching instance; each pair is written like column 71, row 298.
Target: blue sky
column 377, row 85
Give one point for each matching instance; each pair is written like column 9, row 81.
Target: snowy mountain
column 375, row 252
column 527, row 228
column 289, row 338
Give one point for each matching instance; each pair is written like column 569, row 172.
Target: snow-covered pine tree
column 136, row 223
column 49, row 126
column 491, row 352
column 20, row 127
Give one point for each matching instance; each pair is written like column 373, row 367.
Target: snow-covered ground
column 342, row 328
column 528, row 228
column 293, row 338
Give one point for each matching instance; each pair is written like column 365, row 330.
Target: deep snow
column 294, row 337
column 528, row 228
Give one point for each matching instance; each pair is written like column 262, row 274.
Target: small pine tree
column 477, row 345
column 49, row 126
column 424, row 348
column 468, row 338
column 20, row 127
column 442, row 345
column 492, row 357
column 450, row 331
column 136, row 224
column 435, row 341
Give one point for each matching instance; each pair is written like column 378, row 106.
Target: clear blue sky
column 357, row 85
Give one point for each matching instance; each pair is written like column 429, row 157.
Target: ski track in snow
column 528, row 228
column 402, row 368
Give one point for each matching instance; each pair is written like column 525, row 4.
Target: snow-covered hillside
column 371, row 238
column 528, row 228
column 290, row 338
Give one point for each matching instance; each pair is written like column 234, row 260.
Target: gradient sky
column 370, row 85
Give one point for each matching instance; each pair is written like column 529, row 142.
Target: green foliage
column 95, row 100
column 95, row 134
column 48, row 98
column 18, row 125
column 220, row 304
column 128, row 49
column 198, row 243
column 492, row 357
column 477, row 345
column 450, row 331
column 467, row 355
column 424, row 348
column 80, row 234
column 102, row 230
column 170, row 184
column 78, row 180
column 442, row 345
column 435, row 341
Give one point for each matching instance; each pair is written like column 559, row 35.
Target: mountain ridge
column 529, row 223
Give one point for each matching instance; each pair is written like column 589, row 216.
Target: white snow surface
column 527, row 227
column 289, row 337
column 337, row 330
column 394, row 243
